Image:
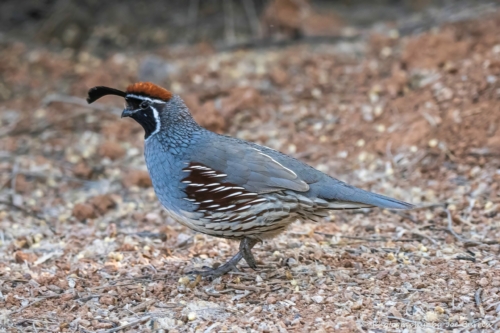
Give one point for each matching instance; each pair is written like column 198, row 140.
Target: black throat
column 147, row 115
column 148, row 121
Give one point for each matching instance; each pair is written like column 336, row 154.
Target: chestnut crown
column 145, row 102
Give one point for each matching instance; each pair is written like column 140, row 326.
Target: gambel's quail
column 226, row 187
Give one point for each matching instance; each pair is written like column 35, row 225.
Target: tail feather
column 383, row 201
column 345, row 196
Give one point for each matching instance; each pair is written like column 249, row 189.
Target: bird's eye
column 144, row 105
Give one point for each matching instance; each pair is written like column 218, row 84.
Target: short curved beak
column 127, row 113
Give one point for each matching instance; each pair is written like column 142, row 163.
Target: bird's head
column 148, row 104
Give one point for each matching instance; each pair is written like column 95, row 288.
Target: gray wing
column 250, row 168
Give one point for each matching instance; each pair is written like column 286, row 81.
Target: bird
column 227, row 187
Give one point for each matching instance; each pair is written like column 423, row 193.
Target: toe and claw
column 245, row 252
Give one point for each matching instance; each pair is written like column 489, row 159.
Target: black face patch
column 144, row 114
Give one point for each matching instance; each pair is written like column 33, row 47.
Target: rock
column 20, row 257
column 271, row 300
column 67, row 297
column 112, row 150
column 22, row 184
column 191, row 316
column 279, row 76
column 82, row 170
column 102, row 203
column 137, row 178
column 84, row 211
column 318, row 299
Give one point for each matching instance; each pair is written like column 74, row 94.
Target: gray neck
column 178, row 128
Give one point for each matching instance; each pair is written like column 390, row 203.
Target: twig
column 404, row 215
column 417, row 232
column 143, row 305
column 402, row 319
column 116, row 285
column 414, row 322
column 88, row 297
column 168, row 305
column 472, row 243
column 35, row 302
column 416, row 161
column 380, row 239
column 465, row 258
column 211, row 293
column 132, row 324
column 477, row 297
column 450, row 227
column 483, row 152
column 78, row 101
column 243, row 287
column 147, row 234
column 457, row 236
column 427, row 206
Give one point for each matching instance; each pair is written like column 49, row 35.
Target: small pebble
column 433, row 143
column 439, row 310
column 318, row 299
column 184, row 280
column 431, row 316
column 271, row 300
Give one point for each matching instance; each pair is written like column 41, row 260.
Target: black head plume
column 97, row 92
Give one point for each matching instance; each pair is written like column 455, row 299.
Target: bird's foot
column 245, row 252
column 214, row 273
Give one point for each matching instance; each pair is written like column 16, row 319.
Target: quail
column 227, row 187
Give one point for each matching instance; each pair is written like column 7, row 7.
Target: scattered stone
column 84, row 211
column 102, row 203
column 21, row 257
column 138, row 178
column 318, row 299
column 112, row 150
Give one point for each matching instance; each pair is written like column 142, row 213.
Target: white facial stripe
column 143, row 98
column 158, row 122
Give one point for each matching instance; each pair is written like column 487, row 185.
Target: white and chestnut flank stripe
column 230, row 211
column 206, row 188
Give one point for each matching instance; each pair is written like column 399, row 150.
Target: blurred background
column 398, row 97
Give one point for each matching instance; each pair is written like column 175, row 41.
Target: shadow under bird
column 226, row 187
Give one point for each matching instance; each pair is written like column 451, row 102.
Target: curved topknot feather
column 150, row 90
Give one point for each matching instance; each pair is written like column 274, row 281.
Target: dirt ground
column 86, row 247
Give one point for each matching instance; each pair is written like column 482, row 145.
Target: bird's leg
column 246, row 246
column 245, row 252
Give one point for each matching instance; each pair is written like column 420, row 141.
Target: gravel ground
column 86, row 247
